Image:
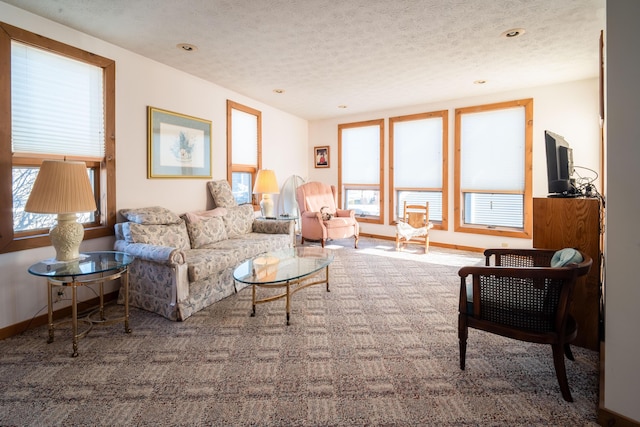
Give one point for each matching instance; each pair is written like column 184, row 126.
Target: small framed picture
column 321, row 156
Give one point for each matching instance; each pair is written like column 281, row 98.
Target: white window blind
column 57, row 104
column 361, row 155
column 493, row 150
column 418, row 153
column 244, row 130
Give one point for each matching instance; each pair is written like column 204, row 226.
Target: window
column 360, row 155
column 493, row 169
column 418, row 164
column 244, row 150
column 58, row 103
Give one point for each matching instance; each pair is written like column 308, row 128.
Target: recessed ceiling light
column 512, row 33
column 342, row 106
column 278, row 90
column 479, row 82
column 187, row 47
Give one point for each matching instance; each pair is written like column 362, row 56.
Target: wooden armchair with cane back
column 525, row 295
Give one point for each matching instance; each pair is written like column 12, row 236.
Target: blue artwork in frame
column 179, row 146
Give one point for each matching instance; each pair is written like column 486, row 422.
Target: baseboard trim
column 610, row 419
column 18, row 328
column 436, row 244
column 606, row 417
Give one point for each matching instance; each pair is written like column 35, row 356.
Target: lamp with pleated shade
column 266, row 185
column 63, row 188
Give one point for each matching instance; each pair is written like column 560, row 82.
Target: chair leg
column 561, row 373
column 355, row 245
column 462, row 337
column 426, row 244
column 568, row 352
column 397, row 242
column 322, row 242
column 301, row 240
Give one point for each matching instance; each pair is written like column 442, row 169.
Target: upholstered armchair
column 331, row 223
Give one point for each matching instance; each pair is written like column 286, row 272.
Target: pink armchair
column 313, row 197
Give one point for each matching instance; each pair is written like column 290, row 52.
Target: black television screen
column 559, row 166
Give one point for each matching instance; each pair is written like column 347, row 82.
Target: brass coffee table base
column 291, row 287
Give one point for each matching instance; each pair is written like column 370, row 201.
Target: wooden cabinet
column 575, row 222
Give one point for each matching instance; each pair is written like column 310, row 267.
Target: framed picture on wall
column 321, row 156
column 179, row 146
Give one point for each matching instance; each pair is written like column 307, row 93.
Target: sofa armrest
column 155, row 253
column 273, row 226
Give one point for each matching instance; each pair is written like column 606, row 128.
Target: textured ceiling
column 366, row 54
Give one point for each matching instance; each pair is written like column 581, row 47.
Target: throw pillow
column 151, row 215
column 173, row 235
column 221, row 193
column 206, row 231
column 565, row 257
column 193, row 217
column 239, row 220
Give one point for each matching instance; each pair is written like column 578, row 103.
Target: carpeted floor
column 380, row 348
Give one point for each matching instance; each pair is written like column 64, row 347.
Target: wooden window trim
column 107, row 211
column 233, row 167
column 527, row 231
column 444, row 115
column 343, row 186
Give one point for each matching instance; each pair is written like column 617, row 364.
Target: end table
column 90, row 268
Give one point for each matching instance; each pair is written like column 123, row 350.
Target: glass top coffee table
column 292, row 269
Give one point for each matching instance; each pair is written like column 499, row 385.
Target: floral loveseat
column 185, row 263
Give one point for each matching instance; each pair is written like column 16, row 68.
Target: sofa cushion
column 151, row 215
column 222, row 194
column 203, row 264
column 173, row 235
column 239, row 220
column 206, row 231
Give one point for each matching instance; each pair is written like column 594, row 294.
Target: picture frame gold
column 178, row 146
column 321, row 156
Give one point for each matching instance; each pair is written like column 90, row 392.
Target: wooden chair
column 414, row 226
column 522, row 297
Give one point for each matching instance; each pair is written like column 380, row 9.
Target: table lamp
column 266, row 185
column 63, row 188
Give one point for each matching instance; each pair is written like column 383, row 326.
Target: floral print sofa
column 185, row 263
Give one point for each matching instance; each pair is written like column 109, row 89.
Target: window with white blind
column 244, row 150
column 418, row 163
column 493, row 168
column 360, row 162
column 61, row 103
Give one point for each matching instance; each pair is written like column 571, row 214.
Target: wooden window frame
column 233, row 167
column 393, row 202
column 527, row 230
column 343, row 187
column 105, row 167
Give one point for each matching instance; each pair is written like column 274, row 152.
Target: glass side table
column 90, row 268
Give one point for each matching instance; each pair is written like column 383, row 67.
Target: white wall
column 622, row 315
column 141, row 82
column 569, row 109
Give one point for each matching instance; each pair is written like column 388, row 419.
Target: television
column 559, row 166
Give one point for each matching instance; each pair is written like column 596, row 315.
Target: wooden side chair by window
column 524, row 295
column 414, row 226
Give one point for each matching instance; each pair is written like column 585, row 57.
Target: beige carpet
column 380, row 349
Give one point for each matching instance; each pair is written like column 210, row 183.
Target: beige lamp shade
column 266, row 185
column 61, row 187
column 266, row 182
